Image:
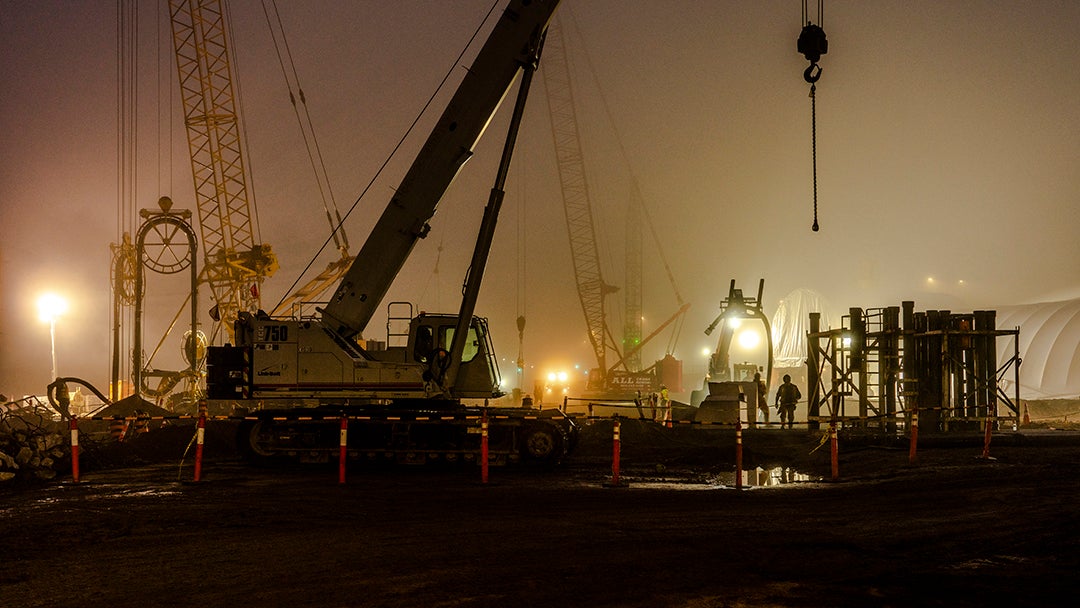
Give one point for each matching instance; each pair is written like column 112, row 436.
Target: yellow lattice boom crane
column 624, row 378
column 236, row 263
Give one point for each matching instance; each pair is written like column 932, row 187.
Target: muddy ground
column 952, row 529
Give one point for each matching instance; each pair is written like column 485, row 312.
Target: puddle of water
column 759, row 477
column 777, row 476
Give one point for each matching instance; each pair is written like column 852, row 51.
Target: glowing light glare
column 706, row 351
column 749, row 339
column 846, row 341
column 734, row 322
column 562, row 376
column 51, row 307
column 551, row 376
column 929, row 280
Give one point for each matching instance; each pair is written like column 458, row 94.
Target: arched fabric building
column 1049, row 347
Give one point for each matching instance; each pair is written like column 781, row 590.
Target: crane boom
column 446, row 150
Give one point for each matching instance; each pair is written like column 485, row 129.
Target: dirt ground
column 952, row 529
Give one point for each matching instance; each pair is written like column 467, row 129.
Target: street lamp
column 50, row 308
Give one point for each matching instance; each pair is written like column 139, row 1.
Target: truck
column 426, row 400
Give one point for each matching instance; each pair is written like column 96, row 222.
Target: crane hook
column 812, row 44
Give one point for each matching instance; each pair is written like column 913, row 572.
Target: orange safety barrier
column 914, row 436
column 738, row 454
column 118, row 429
column 74, row 450
column 834, row 452
column 200, row 435
column 142, row 424
column 484, row 447
column 616, row 447
column 342, row 442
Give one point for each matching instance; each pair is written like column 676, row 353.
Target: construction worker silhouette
column 787, row 396
column 762, row 399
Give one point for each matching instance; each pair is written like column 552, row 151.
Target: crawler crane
column 404, row 403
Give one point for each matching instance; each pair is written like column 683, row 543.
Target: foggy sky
column 947, row 148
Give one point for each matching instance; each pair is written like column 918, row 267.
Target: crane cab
column 430, row 338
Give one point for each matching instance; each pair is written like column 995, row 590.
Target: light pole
column 50, row 308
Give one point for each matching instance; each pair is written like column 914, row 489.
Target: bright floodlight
column 749, row 339
column 50, row 307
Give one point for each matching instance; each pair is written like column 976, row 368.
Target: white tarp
column 791, row 323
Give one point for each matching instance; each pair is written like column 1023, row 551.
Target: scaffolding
column 885, row 368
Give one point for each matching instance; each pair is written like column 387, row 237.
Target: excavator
column 421, row 401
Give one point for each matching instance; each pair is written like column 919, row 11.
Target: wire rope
column 397, row 147
column 307, row 129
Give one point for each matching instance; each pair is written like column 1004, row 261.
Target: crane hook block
column 812, row 43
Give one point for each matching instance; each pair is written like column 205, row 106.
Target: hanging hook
column 813, row 44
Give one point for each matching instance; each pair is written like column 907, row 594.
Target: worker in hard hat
column 787, row 397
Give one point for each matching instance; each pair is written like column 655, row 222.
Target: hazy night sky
column 948, row 142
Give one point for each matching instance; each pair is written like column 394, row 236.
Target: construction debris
column 32, row 447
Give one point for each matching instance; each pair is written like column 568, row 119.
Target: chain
column 813, row 147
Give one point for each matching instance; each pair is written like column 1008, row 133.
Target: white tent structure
column 1049, row 347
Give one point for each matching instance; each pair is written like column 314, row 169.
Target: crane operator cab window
column 427, row 342
column 472, row 342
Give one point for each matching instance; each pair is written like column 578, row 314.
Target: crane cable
column 315, row 157
column 813, row 44
column 397, row 147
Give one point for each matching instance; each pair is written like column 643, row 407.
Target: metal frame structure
column 166, row 244
column 895, row 364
